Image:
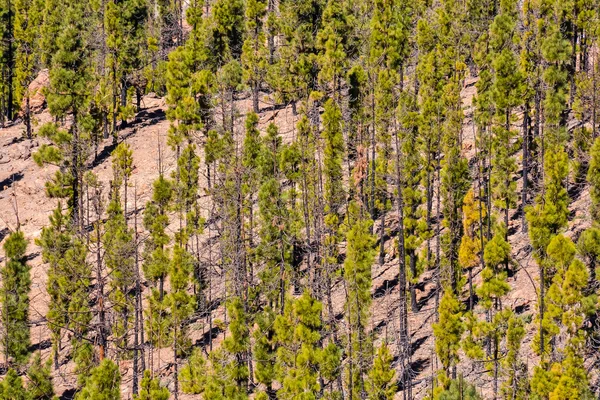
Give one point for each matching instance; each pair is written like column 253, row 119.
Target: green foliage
column 119, row 259
column 12, row 387
column 40, row 379
column 193, row 374
column 334, row 150
column 180, row 302
column 593, row 177
column 448, row 330
column 357, row 273
column 229, row 20
column 380, row 383
column 265, row 348
column 495, row 285
column 156, row 220
column 459, row 389
column 69, row 73
column 151, row 389
column 237, row 345
column 183, row 109
column 549, row 215
column 14, row 295
column 299, row 358
column 69, row 277
column 104, row 383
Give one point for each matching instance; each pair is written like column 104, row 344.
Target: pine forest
column 299, row 199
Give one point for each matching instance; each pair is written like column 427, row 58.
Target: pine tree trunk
column 27, row 116
column 541, row 306
column 176, row 365
column 525, row 167
column 271, row 38
column 9, row 63
column 381, row 239
column 100, row 283
column 255, row 95
column 404, row 350
column 75, row 173
column 136, row 333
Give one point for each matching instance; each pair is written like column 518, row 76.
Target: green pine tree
column 193, row 375
column 28, row 18
column 237, row 345
column 357, row 273
column 12, row 387
column 40, row 379
column 380, row 382
column 151, row 389
column 448, row 330
column 14, row 295
column 254, row 52
column 104, row 383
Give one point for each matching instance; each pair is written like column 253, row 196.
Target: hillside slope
column 22, row 193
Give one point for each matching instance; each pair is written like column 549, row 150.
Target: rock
column 22, row 151
column 37, row 100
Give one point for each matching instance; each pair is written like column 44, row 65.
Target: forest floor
column 22, row 193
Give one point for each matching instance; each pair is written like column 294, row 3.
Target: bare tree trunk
column 404, row 350
column 525, row 167
column 138, row 305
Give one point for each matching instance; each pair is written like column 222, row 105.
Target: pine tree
column 448, row 331
column 506, row 94
column 125, row 23
column 459, row 389
column 546, row 219
column 294, row 75
column 7, row 59
column 156, row 220
column 265, row 350
column 254, row 52
column 151, row 389
column 251, row 178
column 103, row 383
column 380, row 382
column 14, row 295
column 298, row 355
column 229, row 20
column 593, row 177
column 471, row 251
column 69, row 277
column 333, row 152
column 495, row 285
column 40, row 379
column 332, row 42
column 588, row 248
column 183, row 108
column 237, row 345
column 180, row 303
column 119, row 259
column 12, row 387
column 193, row 375
column 410, row 174
column 274, row 248
column 28, row 18
column 454, row 186
column 357, row 273
column 514, row 369
column 68, row 94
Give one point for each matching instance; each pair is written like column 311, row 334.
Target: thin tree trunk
column 525, row 167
